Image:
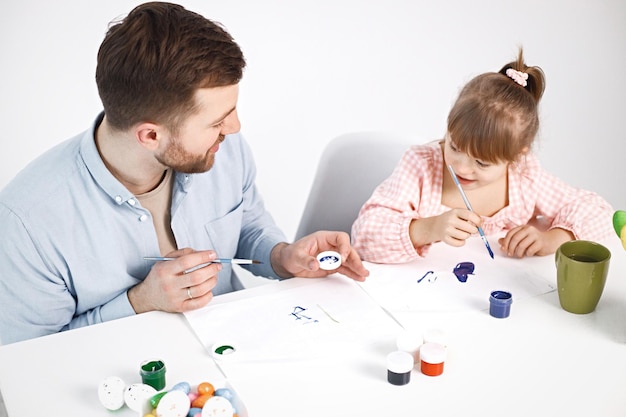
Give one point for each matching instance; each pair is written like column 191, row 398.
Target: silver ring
column 189, row 293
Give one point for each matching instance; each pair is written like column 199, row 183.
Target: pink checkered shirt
column 381, row 231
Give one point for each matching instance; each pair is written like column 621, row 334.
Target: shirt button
column 118, row 199
column 131, row 202
column 143, row 218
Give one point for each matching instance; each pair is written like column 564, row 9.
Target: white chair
column 350, row 168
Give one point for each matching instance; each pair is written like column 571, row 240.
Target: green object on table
column 619, row 221
column 153, row 374
column 619, row 224
column 581, row 270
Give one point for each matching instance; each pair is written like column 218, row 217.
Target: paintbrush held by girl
column 488, row 143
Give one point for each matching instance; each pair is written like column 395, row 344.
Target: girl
column 491, row 129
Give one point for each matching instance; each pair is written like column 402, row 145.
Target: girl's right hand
column 452, row 227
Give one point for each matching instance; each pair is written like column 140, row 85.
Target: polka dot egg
column 137, row 397
column 111, row 392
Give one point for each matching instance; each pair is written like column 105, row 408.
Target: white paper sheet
column 325, row 316
column 396, row 287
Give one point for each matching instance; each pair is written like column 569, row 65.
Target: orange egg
column 206, row 388
column 199, row 402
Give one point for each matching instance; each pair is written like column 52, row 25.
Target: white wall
column 321, row 68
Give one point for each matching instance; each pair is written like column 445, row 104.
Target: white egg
column 111, row 392
column 174, row 404
column 137, row 396
column 217, row 407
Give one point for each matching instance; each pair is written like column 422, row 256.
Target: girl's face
column 472, row 172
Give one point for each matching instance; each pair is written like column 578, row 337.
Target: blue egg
column 226, row 393
column 194, row 411
column 182, row 386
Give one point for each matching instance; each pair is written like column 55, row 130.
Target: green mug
column 581, row 270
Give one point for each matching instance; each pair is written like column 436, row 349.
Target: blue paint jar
column 500, row 304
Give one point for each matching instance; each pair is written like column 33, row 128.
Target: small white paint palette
column 329, row 260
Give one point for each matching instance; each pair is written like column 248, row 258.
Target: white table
column 59, row 375
column 540, row 361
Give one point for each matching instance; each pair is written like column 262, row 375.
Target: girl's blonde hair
column 495, row 118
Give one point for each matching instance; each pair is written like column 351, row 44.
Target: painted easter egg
column 201, row 400
column 206, row 388
column 111, row 392
column 156, row 398
column 226, row 393
column 137, row 396
column 182, row 386
column 217, row 407
column 173, row 404
column 194, row 411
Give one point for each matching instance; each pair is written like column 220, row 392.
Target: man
column 162, row 172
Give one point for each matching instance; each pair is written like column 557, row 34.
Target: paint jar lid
column 433, row 353
column 329, row 260
column 400, row 362
column 435, row 335
column 408, row 341
column 501, row 297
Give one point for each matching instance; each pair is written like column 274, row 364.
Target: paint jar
column 409, row 342
column 500, row 304
column 435, row 336
column 153, row 373
column 399, row 366
column 432, row 358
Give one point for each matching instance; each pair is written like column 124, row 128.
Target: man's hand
column 168, row 287
column 300, row 258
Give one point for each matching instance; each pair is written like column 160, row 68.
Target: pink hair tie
column 517, row 76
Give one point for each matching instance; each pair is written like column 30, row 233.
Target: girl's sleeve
column 584, row 213
column 381, row 231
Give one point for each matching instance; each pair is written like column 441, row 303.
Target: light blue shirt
column 73, row 238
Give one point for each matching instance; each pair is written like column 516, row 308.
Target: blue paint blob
column 330, row 258
column 462, row 270
column 425, row 275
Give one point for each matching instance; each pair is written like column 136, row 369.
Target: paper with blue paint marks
column 294, row 319
column 457, row 278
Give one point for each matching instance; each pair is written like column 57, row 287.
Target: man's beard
column 180, row 160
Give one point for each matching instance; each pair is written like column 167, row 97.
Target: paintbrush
column 469, row 207
column 215, row 261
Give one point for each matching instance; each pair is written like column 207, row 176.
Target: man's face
column 193, row 148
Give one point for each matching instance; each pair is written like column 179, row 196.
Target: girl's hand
column 452, row 227
column 527, row 240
